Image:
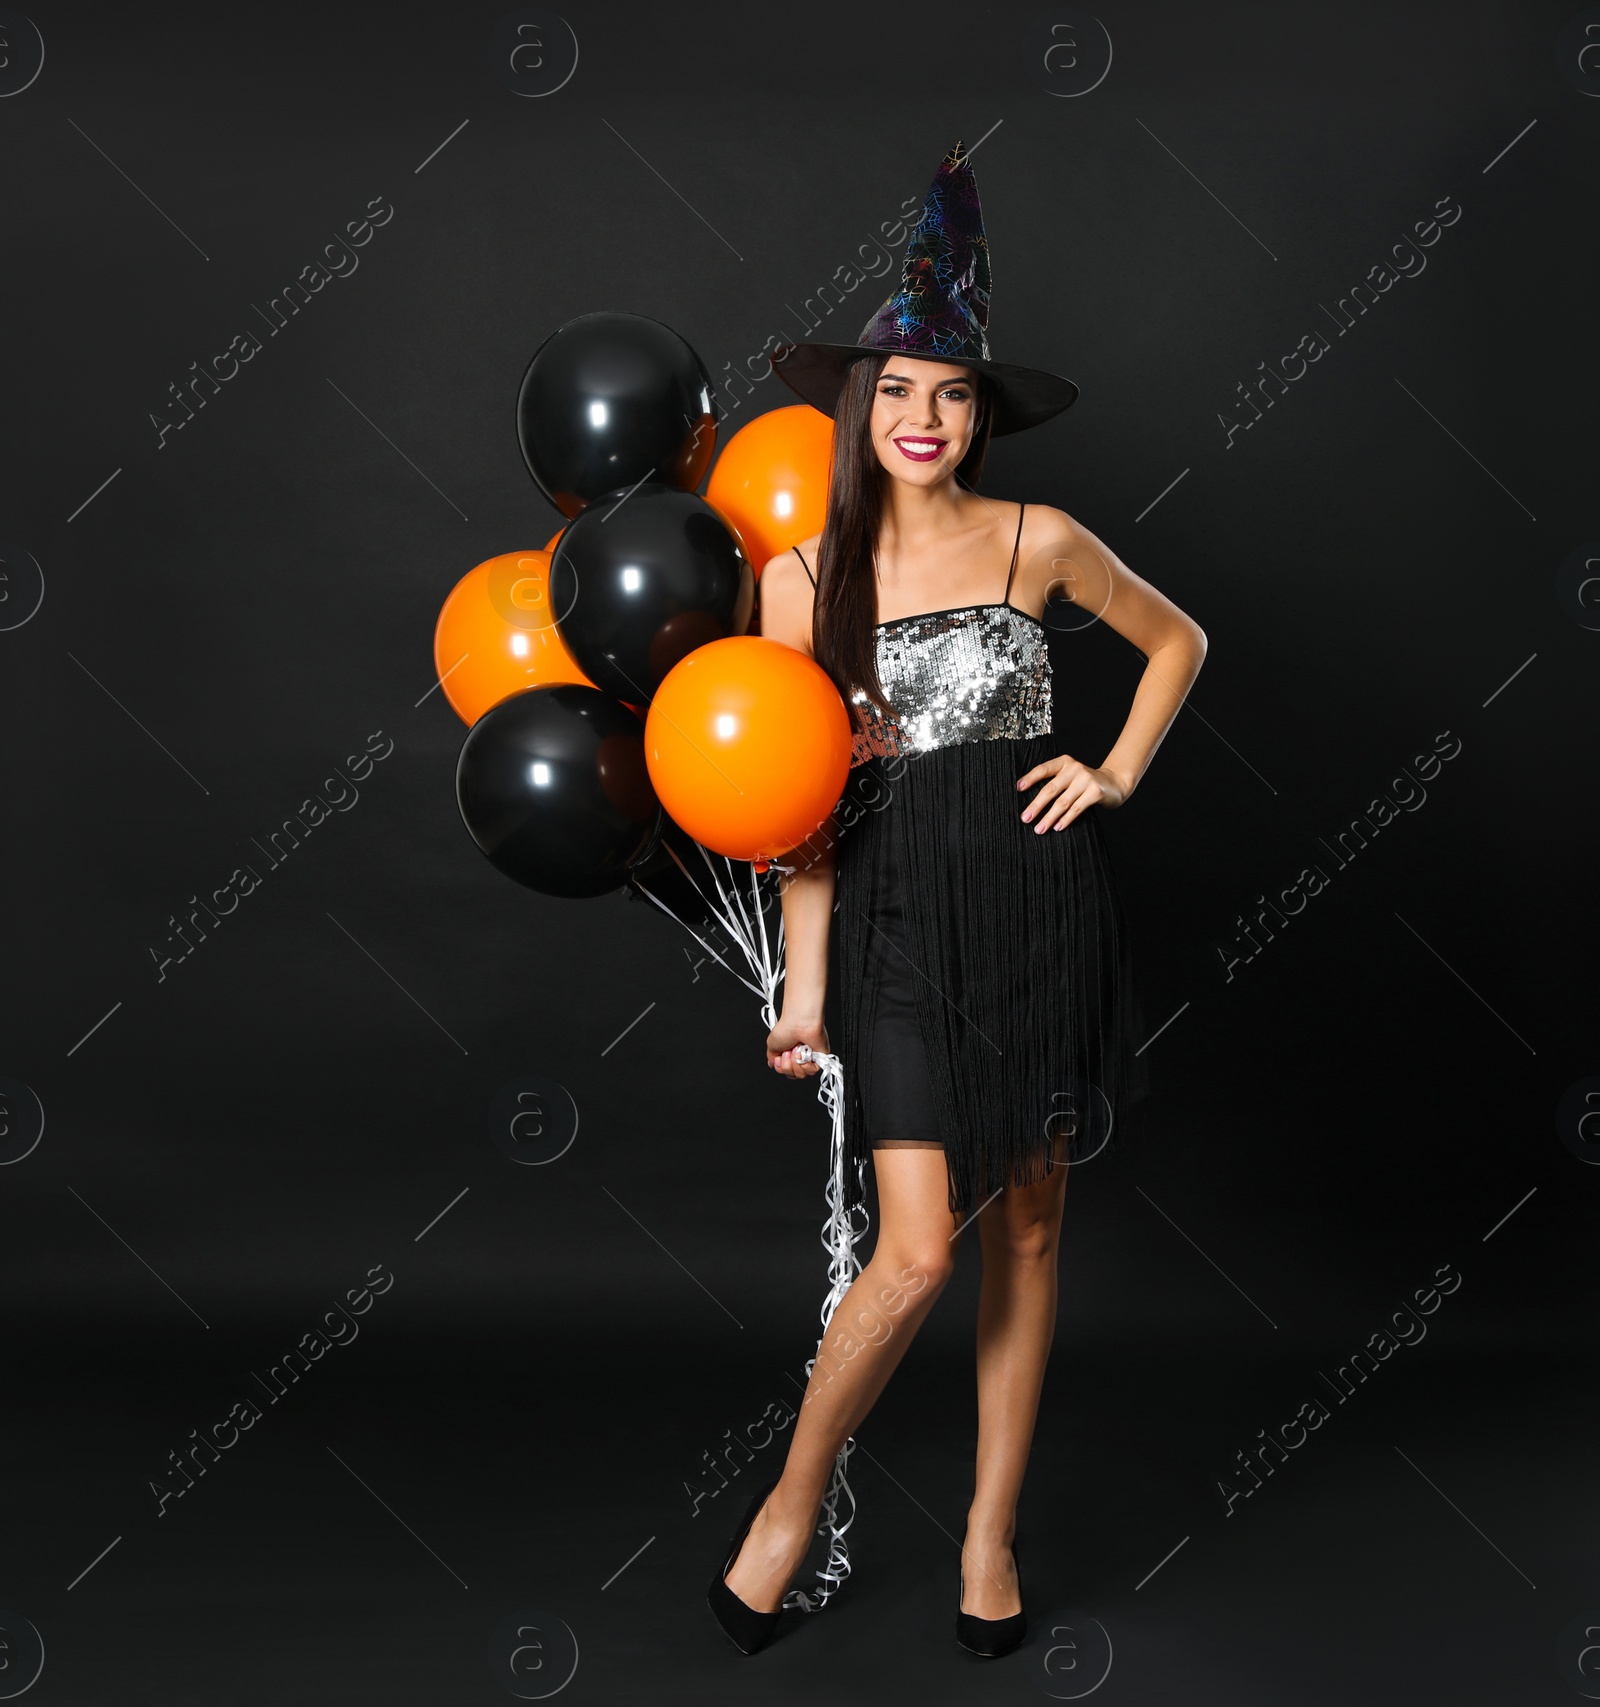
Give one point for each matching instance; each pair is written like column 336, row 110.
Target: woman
column 984, row 990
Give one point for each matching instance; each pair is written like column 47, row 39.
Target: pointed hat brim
column 1024, row 396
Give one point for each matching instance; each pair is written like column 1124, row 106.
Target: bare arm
column 807, row 915
column 1065, row 558
column 807, row 888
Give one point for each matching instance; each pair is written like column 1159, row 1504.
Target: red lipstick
column 920, row 448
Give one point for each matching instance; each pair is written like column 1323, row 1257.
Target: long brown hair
column 844, row 613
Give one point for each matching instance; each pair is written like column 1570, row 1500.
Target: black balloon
column 682, row 885
column 640, row 580
column 610, row 399
column 552, row 783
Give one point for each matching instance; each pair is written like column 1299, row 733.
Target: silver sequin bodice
column 980, row 673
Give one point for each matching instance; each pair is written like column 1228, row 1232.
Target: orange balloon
column 748, row 744
column 550, row 543
column 497, row 635
column 770, row 484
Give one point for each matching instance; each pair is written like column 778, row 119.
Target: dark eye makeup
column 959, row 392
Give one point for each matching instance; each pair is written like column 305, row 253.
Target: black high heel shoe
column 747, row 1629
column 991, row 1637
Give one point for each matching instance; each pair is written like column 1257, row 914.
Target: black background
column 238, row 1143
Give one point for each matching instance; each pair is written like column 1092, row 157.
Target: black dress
column 984, row 986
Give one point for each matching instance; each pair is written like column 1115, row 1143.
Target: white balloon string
column 842, row 1228
column 754, row 989
column 841, row 1232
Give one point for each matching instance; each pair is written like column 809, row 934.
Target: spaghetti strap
column 807, row 567
column 1021, row 511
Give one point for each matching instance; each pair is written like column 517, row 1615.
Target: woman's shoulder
column 798, row 564
column 1033, row 526
column 1051, row 559
column 1043, row 522
column 787, row 589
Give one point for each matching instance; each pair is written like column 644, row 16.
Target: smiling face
column 924, row 415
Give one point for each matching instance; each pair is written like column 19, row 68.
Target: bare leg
column 874, row 1323
column 1020, row 1234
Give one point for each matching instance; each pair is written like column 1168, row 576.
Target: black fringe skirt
column 1005, row 950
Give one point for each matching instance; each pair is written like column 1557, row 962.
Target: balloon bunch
column 624, row 727
column 609, row 675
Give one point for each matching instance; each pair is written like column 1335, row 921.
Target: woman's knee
column 1032, row 1240
column 1027, row 1227
column 917, row 1272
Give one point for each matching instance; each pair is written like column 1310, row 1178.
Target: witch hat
column 939, row 311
